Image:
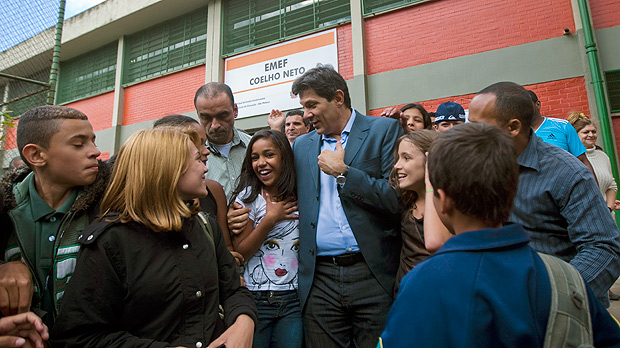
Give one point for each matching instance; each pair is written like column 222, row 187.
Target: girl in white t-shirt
column 270, row 242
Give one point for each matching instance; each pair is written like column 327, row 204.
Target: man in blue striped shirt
column 557, row 201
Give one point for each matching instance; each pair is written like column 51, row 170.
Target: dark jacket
column 137, row 288
column 17, row 229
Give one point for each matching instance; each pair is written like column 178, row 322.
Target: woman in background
column 599, row 159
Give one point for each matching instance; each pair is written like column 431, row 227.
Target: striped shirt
column 559, row 205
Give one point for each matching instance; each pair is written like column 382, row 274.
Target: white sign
column 261, row 80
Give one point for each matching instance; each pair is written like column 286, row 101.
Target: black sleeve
column 234, row 298
column 91, row 304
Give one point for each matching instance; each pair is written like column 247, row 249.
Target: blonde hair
column 145, row 177
column 579, row 120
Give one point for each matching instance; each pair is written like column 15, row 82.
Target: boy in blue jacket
column 485, row 287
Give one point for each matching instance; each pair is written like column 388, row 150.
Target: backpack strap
column 569, row 323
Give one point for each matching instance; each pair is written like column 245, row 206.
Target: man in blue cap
column 448, row 115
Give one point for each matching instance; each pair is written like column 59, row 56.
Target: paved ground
column 614, row 309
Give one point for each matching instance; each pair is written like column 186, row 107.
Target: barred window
column 613, row 89
column 173, row 45
column 374, row 6
column 251, row 23
column 87, row 75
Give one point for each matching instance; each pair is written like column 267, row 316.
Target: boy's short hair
column 475, row 164
column 38, row 125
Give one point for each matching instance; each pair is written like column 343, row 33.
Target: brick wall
column 10, row 140
column 98, row 109
column 557, row 98
column 605, row 13
column 438, row 30
column 345, row 51
column 166, row 95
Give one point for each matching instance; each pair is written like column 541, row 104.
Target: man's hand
column 237, row 217
column 15, row 288
column 332, row 163
column 392, row 112
column 238, row 335
column 276, row 120
column 23, row 330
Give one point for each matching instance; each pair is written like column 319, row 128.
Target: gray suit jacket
column 370, row 204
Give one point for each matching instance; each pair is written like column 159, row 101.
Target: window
column 613, row 89
column 167, row 47
column 251, row 23
column 373, row 6
column 89, row 74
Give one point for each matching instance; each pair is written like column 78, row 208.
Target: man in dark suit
column 349, row 216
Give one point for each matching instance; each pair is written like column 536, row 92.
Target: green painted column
column 56, row 55
column 604, row 118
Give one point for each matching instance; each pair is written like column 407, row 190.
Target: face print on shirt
column 278, row 259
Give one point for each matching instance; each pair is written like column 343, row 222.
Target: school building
column 126, row 63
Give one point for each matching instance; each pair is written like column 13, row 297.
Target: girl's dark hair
column 425, row 116
column 286, row 183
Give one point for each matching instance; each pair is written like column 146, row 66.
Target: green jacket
column 18, row 227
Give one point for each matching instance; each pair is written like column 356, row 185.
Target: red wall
column 439, row 30
column 10, row 141
column 98, row 109
column 166, row 95
column 345, row 51
column 605, row 13
column 557, row 98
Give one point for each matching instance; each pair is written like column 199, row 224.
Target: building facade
column 126, row 63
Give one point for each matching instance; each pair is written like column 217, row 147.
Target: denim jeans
column 279, row 319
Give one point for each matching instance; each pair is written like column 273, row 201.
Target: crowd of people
column 329, row 229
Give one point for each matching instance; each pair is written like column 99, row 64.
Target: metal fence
column 26, row 47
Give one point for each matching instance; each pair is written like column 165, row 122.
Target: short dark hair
column 425, row 116
column 174, row 121
column 298, row 112
column 286, row 184
column 212, row 90
column 533, row 96
column 511, row 101
column 38, row 125
column 324, row 81
column 475, row 164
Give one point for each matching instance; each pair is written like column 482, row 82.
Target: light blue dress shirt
column 333, row 233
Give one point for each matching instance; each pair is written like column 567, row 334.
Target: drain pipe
column 599, row 91
column 56, row 55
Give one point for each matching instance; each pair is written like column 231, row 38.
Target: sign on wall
column 261, row 80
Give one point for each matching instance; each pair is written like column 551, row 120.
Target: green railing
column 374, row 6
column 247, row 24
column 613, row 89
column 89, row 74
column 166, row 47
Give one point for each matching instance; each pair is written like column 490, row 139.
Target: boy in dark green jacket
column 45, row 206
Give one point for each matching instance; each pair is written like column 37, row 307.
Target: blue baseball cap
column 450, row 111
